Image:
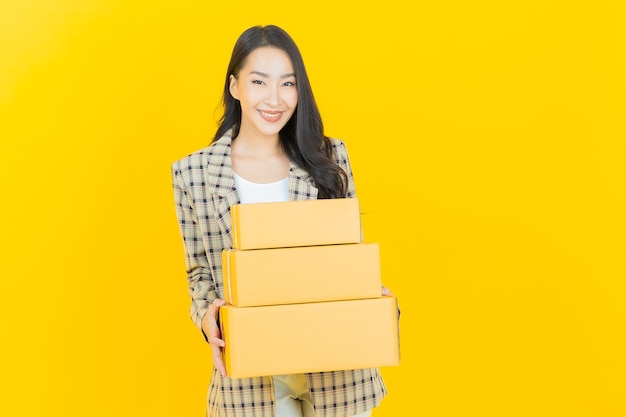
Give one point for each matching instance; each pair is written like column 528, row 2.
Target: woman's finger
column 217, row 360
column 386, row 291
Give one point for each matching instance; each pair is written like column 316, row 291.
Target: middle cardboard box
column 306, row 274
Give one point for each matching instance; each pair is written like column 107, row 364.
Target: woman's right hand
column 212, row 331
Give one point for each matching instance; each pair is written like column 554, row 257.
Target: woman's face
column 266, row 89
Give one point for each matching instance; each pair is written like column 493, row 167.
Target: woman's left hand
column 386, row 291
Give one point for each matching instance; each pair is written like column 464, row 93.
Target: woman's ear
column 233, row 88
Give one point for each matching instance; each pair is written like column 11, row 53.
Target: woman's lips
column 271, row 116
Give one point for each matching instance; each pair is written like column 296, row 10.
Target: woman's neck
column 259, row 158
column 247, row 144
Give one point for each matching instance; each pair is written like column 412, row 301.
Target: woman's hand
column 212, row 332
column 387, row 292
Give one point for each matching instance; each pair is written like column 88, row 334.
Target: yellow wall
column 487, row 139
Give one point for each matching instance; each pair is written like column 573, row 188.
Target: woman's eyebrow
column 264, row 75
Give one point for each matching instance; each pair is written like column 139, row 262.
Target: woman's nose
column 273, row 96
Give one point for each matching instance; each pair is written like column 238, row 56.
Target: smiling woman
column 270, row 146
column 266, row 91
column 302, row 137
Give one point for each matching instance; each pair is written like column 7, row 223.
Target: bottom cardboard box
column 310, row 337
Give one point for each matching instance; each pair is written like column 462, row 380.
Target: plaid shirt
column 204, row 189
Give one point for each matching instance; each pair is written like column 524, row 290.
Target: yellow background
column 487, row 141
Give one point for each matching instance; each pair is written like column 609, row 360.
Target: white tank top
column 252, row 192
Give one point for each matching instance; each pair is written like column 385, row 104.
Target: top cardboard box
column 296, row 223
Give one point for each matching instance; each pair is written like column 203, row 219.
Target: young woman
column 270, row 146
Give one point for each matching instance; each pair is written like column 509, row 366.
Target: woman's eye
column 259, row 82
column 289, row 84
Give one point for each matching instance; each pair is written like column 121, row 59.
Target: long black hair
column 302, row 138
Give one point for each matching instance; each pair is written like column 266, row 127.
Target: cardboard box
column 295, row 223
column 301, row 275
column 310, row 337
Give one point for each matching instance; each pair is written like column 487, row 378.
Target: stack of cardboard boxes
column 304, row 292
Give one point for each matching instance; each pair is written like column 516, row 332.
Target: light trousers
column 293, row 398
